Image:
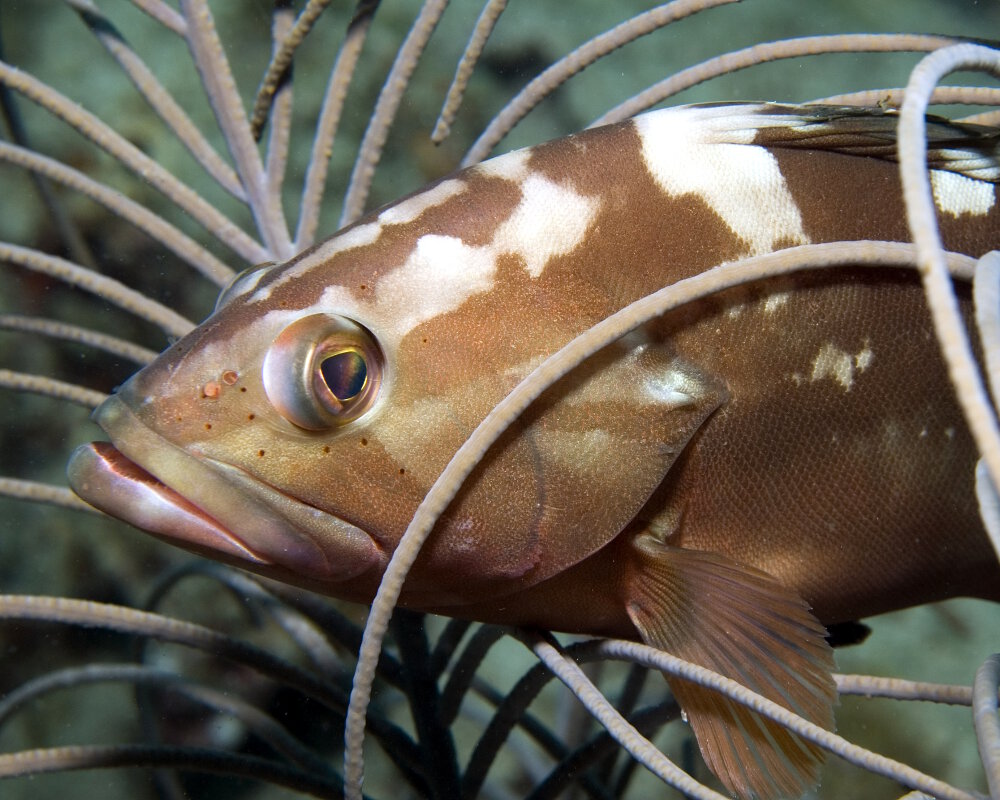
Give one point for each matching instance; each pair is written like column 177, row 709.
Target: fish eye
column 323, row 371
column 242, row 282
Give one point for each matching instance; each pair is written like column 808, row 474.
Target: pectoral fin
column 743, row 624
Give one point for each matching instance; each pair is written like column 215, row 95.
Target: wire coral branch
column 893, row 98
column 281, row 61
column 329, row 121
column 61, row 759
column 641, row 749
column 899, row 689
column 69, row 231
column 138, row 162
column 307, row 635
column 159, row 99
column 873, row 762
column 386, row 107
column 265, row 727
column 68, row 611
column 169, row 321
column 511, row 712
column 467, row 63
column 35, row 492
column 737, row 60
column 575, row 62
column 50, row 387
column 175, row 240
column 74, row 333
column 217, row 79
column 166, row 15
column 921, row 218
column 281, row 120
column 984, row 694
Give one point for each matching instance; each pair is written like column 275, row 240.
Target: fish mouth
column 211, row 507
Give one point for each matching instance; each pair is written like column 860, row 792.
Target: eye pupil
column 345, row 374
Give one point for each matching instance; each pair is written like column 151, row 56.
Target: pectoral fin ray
column 743, row 624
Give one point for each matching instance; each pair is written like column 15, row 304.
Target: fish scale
column 699, row 484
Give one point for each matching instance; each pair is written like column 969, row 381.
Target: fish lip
column 117, row 485
column 208, row 506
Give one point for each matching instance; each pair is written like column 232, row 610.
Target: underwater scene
column 153, row 150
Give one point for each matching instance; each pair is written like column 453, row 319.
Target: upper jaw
column 209, row 506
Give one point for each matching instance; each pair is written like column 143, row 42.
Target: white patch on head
column 359, row 236
column 411, row 208
column 551, row 220
column 698, row 151
column 426, row 426
column 440, row 274
column 510, row 166
column 336, row 296
column 832, row 362
column 956, row 194
column 368, row 232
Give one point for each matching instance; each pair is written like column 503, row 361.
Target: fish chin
column 211, row 507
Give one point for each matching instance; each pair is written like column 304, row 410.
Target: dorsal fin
column 962, row 148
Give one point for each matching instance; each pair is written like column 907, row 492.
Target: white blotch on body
column 510, row 166
column 698, row 151
column 956, row 194
column 551, row 220
column 839, row 365
column 863, row 359
column 411, row 208
column 775, row 301
column 674, row 389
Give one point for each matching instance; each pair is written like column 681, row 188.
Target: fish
column 723, row 483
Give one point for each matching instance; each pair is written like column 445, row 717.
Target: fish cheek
column 569, row 475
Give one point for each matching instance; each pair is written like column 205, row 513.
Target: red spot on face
column 211, row 390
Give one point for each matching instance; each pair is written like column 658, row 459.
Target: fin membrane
column 742, row 623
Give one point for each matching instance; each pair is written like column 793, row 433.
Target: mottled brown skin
column 820, row 459
column 836, row 493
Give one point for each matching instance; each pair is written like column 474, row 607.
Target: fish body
column 698, row 484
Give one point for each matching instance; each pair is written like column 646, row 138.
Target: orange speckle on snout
column 211, row 390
